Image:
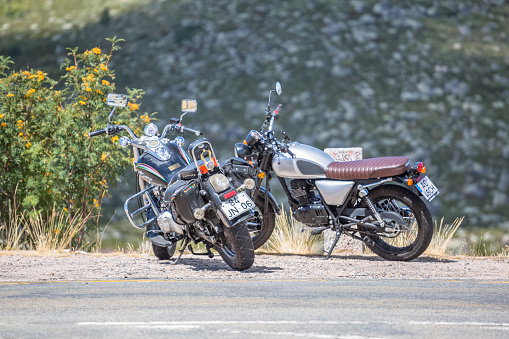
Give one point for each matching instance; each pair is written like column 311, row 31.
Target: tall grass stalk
column 288, row 238
column 55, row 231
column 442, row 236
column 11, row 232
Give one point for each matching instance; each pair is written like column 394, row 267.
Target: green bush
column 47, row 159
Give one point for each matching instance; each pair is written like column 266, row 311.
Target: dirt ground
column 33, row 267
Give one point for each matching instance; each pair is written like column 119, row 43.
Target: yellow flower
column 88, row 89
column 103, row 156
column 68, row 69
column 3, row 124
column 28, row 145
column 115, row 138
column 10, row 95
column 26, row 73
column 65, row 209
column 20, row 124
column 99, row 91
column 133, row 107
column 96, row 50
column 82, row 103
column 147, row 119
column 1, row 116
column 96, row 203
column 21, row 134
column 104, row 68
column 87, row 52
column 30, row 92
column 105, row 82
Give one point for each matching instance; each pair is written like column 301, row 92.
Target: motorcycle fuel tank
column 308, row 163
column 159, row 171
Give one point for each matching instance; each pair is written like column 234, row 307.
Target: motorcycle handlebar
column 96, row 133
column 177, row 126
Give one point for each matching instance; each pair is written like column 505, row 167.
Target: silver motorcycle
column 378, row 201
column 185, row 196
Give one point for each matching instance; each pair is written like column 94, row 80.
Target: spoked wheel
column 408, row 216
column 261, row 227
column 238, row 251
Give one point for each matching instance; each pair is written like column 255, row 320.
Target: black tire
column 399, row 204
column 164, row 253
column 268, row 222
column 238, row 252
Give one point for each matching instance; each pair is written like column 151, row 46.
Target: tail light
column 421, row 168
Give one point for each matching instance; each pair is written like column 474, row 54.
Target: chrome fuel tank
column 309, row 162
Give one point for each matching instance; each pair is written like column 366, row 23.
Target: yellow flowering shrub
column 47, row 158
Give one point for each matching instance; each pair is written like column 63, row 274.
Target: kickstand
column 338, row 234
column 182, row 249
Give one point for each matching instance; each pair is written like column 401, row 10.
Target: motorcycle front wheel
column 403, row 210
column 237, row 250
column 164, row 253
column 266, row 222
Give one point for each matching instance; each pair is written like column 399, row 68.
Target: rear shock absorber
column 363, row 193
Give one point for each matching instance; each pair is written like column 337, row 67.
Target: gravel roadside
column 33, row 267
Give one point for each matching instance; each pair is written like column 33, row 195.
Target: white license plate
column 237, row 205
column 427, row 188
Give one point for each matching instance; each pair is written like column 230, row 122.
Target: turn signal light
column 245, row 142
column 410, row 182
column 261, row 175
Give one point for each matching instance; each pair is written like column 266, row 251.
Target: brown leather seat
column 367, row 168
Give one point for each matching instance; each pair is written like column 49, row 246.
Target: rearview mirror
column 278, row 88
column 189, row 106
column 116, row 100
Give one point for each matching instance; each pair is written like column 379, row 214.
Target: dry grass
column 53, row 232
column 287, row 238
column 442, row 236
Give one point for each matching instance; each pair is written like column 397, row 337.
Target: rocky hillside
column 426, row 79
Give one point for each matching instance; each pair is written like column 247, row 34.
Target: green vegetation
column 49, row 164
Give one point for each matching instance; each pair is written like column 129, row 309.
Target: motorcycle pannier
column 185, row 200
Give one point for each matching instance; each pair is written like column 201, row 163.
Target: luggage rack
column 150, row 203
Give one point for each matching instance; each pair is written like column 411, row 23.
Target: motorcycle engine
column 310, row 211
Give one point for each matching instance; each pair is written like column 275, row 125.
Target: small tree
column 47, row 158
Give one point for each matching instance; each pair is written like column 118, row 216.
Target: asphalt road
column 346, row 308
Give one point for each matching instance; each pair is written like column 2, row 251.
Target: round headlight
column 242, row 151
column 150, row 130
column 219, row 182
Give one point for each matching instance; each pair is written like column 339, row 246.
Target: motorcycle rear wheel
column 400, row 204
column 238, row 251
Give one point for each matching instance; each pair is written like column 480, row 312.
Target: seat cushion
column 367, row 168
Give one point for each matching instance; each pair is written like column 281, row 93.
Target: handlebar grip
column 192, row 131
column 96, row 133
column 174, row 120
column 278, row 109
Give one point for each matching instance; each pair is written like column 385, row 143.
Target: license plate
column 427, row 188
column 237, row 205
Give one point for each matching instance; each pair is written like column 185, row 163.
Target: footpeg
column 157, row 239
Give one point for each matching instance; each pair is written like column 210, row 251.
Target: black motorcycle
column 377, row 201
column 185, row 197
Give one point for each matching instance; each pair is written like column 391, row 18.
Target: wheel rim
column 399, row 215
